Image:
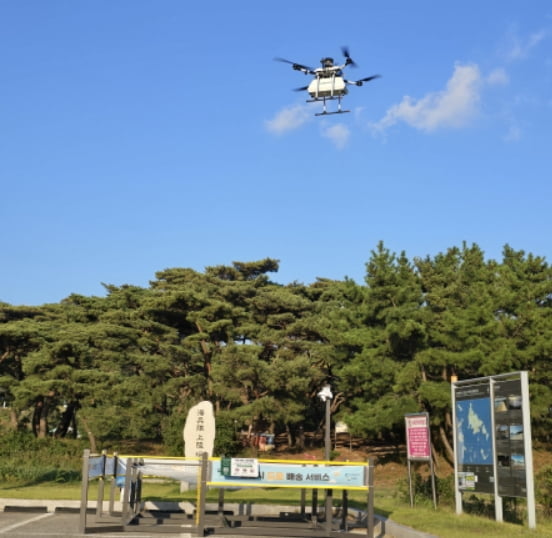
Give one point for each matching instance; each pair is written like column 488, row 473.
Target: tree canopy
column 131, row 364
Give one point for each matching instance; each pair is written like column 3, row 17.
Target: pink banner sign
column 417, row 437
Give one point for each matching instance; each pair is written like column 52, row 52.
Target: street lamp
column 326, row 396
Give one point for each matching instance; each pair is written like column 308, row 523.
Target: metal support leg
column 84, row 491
column 344, row 510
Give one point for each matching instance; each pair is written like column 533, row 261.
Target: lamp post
column 326, row 396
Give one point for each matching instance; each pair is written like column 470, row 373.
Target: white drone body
column 327, row 86
column 328, row 82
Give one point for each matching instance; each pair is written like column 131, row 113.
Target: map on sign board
column 474, row 432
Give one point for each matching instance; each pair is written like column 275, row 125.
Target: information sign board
column 294, row 475
column 418, row 446
column 492, row 439
column 474, row 442
column 510, row 437
column 244, row 467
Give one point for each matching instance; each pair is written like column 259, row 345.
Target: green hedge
column 26, row 459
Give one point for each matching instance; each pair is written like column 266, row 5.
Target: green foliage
column 422, row 490
column 127, row 366
column 543, row 490
column 226, row 441
column 172, row 428
column 45, row 460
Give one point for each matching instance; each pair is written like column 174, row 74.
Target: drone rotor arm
column 298, row 67
column 361, row 81
column 304, row 69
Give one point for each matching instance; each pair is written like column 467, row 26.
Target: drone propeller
column 362, row 80
column 348, row 59
column 296, row 66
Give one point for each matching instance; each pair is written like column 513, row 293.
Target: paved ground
column 26, row 523
column 30, row 521
column 60, row 524
column 43, row 524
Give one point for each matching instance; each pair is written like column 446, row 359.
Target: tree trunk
column 43, row 425
column 13, row 419
column 89, row 434
column 434, row 456
column 301, row 439
column 289, row 436
column 75, row 432
column 39, row 420
column 423, row 372
column 67, row 418
column 206, row 362
column 36, row 416
column 449, row 452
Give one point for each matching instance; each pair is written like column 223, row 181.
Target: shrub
column 422, row 489
column 171, row 429
column 24, row 458
column 226, row 443
column 543, row 490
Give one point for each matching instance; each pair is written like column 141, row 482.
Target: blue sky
column 140, row 135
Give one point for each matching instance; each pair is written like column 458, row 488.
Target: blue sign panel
column 474, row 438
column 296, row 475
column 101, row 466
column 96, row 466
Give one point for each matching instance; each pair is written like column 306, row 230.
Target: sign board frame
column 418, row 448
column 418, row 443
column 294, row 474
column 492, row 413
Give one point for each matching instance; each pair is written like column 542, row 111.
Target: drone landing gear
column 326, row 113
column 324, row 110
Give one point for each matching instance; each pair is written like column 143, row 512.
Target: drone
column 328, row 82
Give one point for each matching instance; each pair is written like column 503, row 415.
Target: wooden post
column 202, row 493
column 101, row 485
column 370, row 511
column 84, row 491
column 126, row 491
column 113, row 487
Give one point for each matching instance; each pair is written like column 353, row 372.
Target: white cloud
column 288, row 119
column 452, row 107
column 519, row 48
column 498, row 77
column 339, row 134
column 513, row 134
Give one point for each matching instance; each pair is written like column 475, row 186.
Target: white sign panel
column 199, row 430
column 244, row 467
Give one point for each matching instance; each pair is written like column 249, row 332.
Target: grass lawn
column 442, row 522
column 445, row 523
